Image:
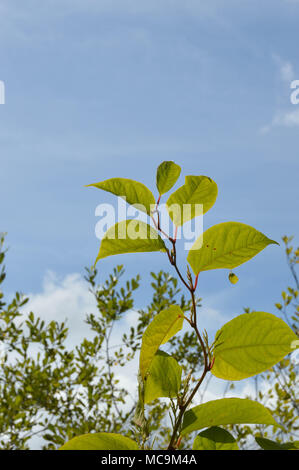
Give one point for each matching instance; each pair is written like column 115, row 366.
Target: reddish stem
column 196, row 280
column 175, row 233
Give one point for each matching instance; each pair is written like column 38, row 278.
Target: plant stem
column 193, row 324
column 207, row 366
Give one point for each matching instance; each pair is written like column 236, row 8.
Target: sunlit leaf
column 226, row 411
column 100, row 441
column 233, row 278
column 184, row 203
column 163, row 378
column 226, row 245
column 249, row 344
column 130, row 236
column 133, row 192
column 167, row 175
column 164, row 325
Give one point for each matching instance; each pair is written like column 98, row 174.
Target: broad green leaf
column 226, row 245
column 100, row 441
column 133, row 192
column 167, row 175
column 215, row 438
column 165, row 325
column 163, row 378
column 130, row 236
column 233, row 278
column 226, row 411
column 267, row 444
column 184, row 203
column 249, row 344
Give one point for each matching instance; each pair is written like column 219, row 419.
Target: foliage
column 277, row 387
column 72, row 397
column 215, row 438
column 53, row 392
column 246, row 346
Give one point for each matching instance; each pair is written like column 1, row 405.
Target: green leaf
column 226, row 411
column 215, row 438
column 267, row 444
column 163, row 378
column 163, row 327
column 130, row 236
column 233, row 278
column 196, row 190
column 100, row 441
column 134, row 193
column 249, row 344
column 167, row 175
column 226, row 245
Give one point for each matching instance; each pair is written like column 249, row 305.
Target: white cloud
column 287, row 72
column 286, row 69
column 287, row 119
column 212, row 319
column 61, row 299
column 283, row 117
column 68, row 298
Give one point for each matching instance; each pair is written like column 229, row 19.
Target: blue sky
column 97, row 89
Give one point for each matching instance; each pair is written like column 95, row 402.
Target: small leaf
column 100, row 441
column 295, row 343
column 267, row 444
column 184, row 203
column 249, row 344
column 233, row 278
column 226, row 411
column 130, row 236
column 226, row 245
column 163, row 378
column 134, row 193
column 215, row 438
column 165, row 325
column 167, row 175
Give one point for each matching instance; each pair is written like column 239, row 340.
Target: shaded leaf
column 215, row 438
column 267, row 444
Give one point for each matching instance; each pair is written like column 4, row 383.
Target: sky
column 96, row 89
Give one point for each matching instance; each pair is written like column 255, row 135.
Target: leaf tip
column 273, row 242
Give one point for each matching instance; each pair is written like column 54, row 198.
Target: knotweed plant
column 247, row 345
